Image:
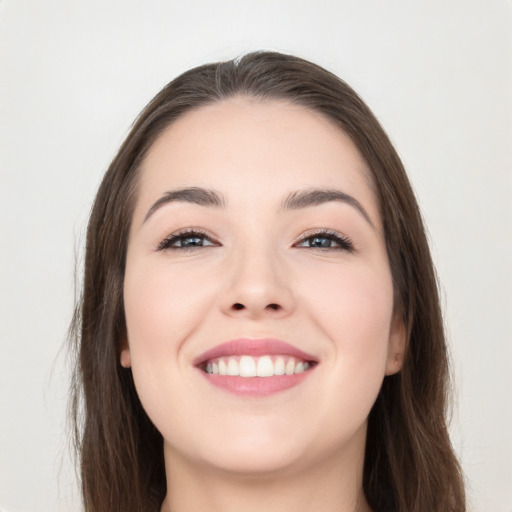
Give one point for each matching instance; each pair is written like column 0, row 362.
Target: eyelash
column 166, row 244
column 344, row 243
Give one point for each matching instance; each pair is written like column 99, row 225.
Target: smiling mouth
column 250, row 367
column 263, row 366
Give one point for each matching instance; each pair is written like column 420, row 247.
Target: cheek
column 162, row 306
column 355, row 303
column 353, row 312
column 162, row 309
column 354, row 309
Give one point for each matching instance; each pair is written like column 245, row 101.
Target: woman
column 260, row 323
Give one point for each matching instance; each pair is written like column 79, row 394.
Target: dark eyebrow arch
column 196, row 195
column 313, row 197
column 295, row 201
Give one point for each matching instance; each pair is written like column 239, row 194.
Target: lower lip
column 255, row 386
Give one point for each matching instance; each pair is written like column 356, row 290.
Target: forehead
column 252, row 149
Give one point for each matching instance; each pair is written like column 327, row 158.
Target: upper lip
column 253, row 347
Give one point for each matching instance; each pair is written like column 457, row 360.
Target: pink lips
column 254, row 386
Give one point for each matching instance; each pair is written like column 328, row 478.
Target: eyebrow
column 195, row 195
column 294, row 201
column 314, row 197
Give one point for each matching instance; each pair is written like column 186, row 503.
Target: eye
column 189, row 239
column 326, row 240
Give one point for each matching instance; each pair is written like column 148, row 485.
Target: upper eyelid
column 305, row 235
column 320, row 231
column 190, row 232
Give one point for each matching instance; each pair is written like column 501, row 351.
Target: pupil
column 192, row 240
column 320, row 242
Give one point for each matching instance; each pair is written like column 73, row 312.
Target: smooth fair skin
column 260, row 267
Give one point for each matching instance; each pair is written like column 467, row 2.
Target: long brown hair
column 409, row 462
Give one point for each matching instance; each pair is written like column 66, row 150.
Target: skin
column 301, row 449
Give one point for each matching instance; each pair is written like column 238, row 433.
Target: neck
column 333, row 486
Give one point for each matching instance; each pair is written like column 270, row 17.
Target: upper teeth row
column 264, row 366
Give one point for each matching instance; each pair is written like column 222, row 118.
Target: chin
column 254, row 461
column 261, row 449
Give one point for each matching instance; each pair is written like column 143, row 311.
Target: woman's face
column 256, row 247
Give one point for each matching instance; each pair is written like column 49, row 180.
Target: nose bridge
column 256, row 282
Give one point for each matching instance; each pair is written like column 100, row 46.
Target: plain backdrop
column 73, row 76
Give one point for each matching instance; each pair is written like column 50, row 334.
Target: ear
column 125, row 356
column 397, row 345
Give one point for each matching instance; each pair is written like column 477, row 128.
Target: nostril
column 237, row 306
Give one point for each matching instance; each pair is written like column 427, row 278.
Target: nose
column 257, row 287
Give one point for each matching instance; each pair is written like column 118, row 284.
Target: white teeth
column 279, row 367
column 264, row 366
column 233, row 367
column 290, row 367
column 247, row 367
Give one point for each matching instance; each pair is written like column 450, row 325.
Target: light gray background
column 74, row 74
